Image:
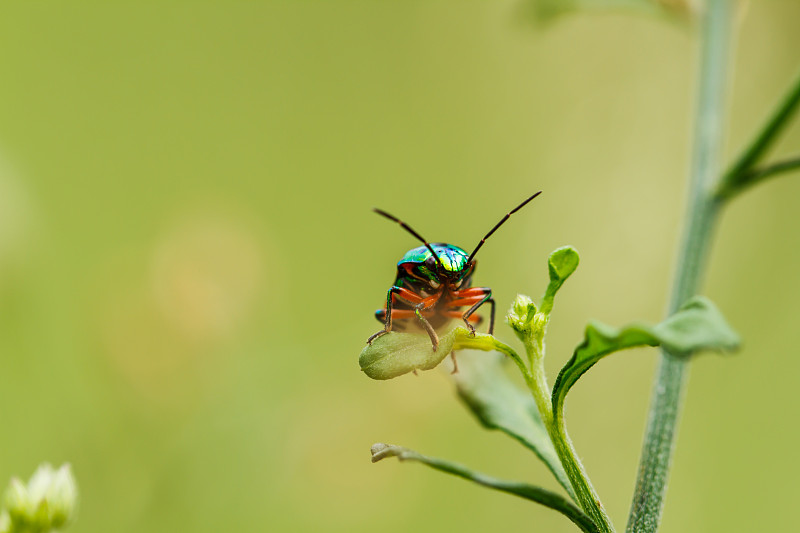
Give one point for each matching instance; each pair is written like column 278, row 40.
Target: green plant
column 48, row 502
column 536, row 417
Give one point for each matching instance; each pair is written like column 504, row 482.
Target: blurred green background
column 189, row 264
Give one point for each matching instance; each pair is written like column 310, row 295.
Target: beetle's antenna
column 411, row 231
column 520, row 206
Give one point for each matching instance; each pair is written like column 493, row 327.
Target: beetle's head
column 441, row 264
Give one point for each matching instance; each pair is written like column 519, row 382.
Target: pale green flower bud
column 539, row 322
column 17, row 501
column 521, row 313
column 47, row 502
column 62, row 497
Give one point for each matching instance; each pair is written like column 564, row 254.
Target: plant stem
column 539, row 386
column 703, row 209
column 584, row 491
column 585, row 494
column 487, row 343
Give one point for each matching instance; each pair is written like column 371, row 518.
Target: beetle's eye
column 435, row 284
column 431, row 262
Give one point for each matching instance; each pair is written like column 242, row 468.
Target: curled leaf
column 697, row 326
column 523, row 490
column 395, row 354
column 561, row 264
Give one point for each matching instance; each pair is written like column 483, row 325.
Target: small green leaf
column 562, row 263
column 395, row 354
column 523, row 490
column 498, row 404
column 697, row 326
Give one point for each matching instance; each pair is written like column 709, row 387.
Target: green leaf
column 395, row 354
column 483, row 386
column 523, row 490
column 561, row 264
column 698, row 325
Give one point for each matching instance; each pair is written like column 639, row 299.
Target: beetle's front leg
column 427, row 325
column 401, row 293
column 487, row 297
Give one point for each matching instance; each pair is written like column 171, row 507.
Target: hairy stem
column 584, row 491
column 703, row 208
column 585, row 494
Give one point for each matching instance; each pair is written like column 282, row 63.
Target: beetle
column 434, row 283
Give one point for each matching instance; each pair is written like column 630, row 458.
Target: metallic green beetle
column 433, row 284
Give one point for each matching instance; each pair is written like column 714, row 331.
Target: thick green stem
column 585, row 494
column 584, row 491
column 703, row 209
column 539, row 386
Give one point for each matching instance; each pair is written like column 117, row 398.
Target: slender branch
column 756, row 175
column 487, row 343
column 738, row 176
column 703, row 209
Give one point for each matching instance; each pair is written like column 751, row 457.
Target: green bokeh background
column 189, row 265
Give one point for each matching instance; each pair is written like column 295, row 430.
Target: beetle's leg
column 401, row 314
column 491, row 317
column 427, row 325
column 487, row 297
column 387, row 327
column 424, row 305
column 403, row 294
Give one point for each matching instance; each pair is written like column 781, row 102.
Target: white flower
column 47, row 502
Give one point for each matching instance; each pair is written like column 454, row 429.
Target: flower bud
column 5, row 522
column 18, row 501
column 521, row 313
column 62, row 497
column 47, row 502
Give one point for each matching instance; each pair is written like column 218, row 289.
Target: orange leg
column 472, row 291
column 475, row 297
column 420, row 304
